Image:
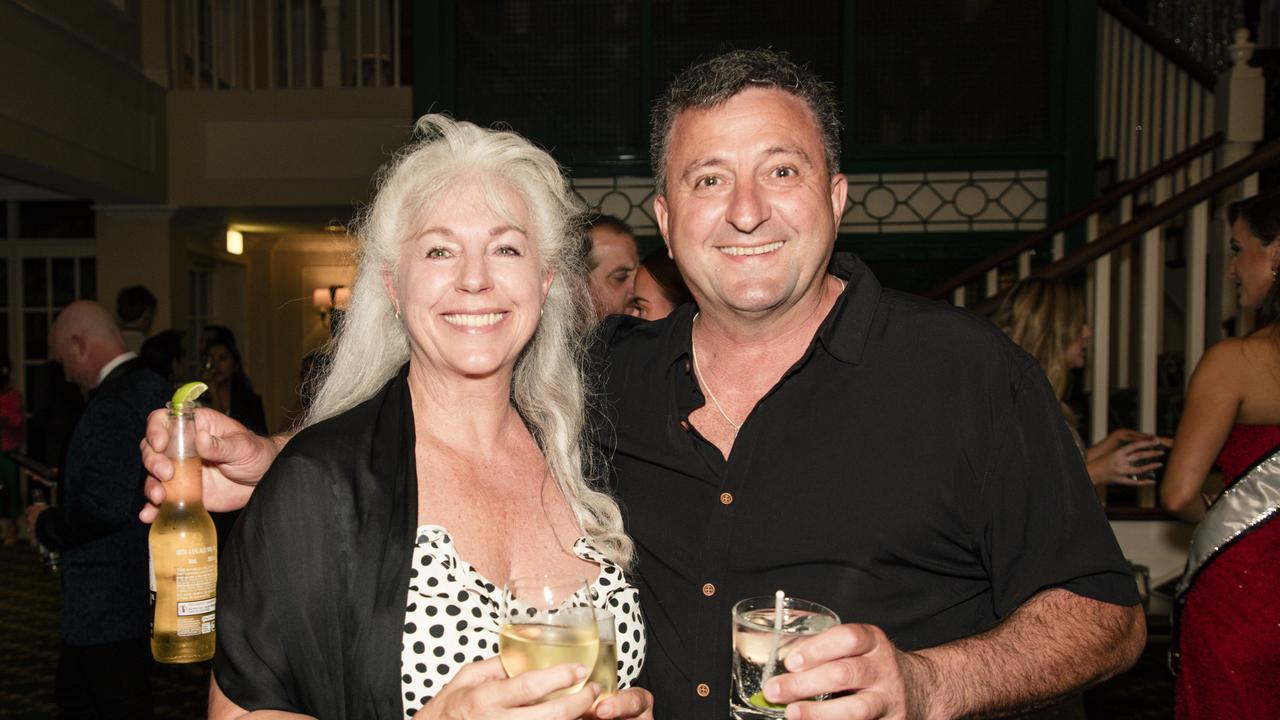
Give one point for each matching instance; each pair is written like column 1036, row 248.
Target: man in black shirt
column 802, row 428
column 896, row 460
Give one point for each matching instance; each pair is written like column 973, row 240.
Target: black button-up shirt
column 912, row 471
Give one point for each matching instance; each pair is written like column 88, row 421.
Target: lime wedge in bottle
column 185, row 396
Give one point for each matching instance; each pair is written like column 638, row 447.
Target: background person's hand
column 883, row 681
column 235, row 459
column 625, row 704
column 482, row 690
column 31, row 516
column 1128, row 463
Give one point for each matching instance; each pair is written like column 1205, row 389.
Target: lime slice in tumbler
column 185, row 396
column 759, row 701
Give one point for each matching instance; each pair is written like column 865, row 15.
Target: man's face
column 750, row 211
column 613, row 278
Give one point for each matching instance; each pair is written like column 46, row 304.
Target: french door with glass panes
column 40, row 280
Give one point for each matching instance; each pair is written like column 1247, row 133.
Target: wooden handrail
column 1117, row 237
column 1066, row 222
column 1189, row 63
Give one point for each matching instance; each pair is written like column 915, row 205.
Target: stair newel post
column 1240, row 96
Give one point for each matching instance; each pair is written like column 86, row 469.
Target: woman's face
column 1251, row 265
column 1075, row 354
column 649, row 302
column 469, row 286
column 219, row 364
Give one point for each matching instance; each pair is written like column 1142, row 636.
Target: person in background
column 311, row 371
column 659, row 287
column 1046, row 317
column 1227, row 618
column 163, row 353
column 611, row 265
column 12, row 435
column 135, row 310
column 229, row 391
column 215, row 333
column 104, row 670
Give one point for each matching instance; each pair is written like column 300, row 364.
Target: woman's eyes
column 438, row 252
column 507, row 250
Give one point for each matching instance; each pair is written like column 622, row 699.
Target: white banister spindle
column 233, row 39
column 214, row 55
column 1024, row 264
column 251, row 39
column 1060, row 245
column 195, row 43
column 1197, row 294
column 1151, row 312
column 332, row 75
column 395, row 40
column 377, row 42
column 359, row 9
column 957, row 296
column 992, row 282
column 1100, row 354
column 288, row 43
column 1124, row 301
column 271, row 45
column 306, row 44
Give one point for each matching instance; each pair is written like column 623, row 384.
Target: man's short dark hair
column 132, row 301
column 711, row 82
column 161, row 350
column 604, row 222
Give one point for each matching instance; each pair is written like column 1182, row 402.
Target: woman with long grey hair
column 443, row 455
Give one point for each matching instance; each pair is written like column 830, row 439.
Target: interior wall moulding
column 952, row 201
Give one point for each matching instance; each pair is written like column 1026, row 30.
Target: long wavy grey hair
column 548, row 389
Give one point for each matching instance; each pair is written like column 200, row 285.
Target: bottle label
column 195, row 590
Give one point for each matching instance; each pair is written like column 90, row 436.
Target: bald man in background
column 612, row 263
column 104, row 670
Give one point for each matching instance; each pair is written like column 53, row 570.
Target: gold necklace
column 693, row 350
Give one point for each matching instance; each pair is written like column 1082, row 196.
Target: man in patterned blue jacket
column 104, row 668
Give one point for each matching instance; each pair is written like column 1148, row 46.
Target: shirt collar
column 116, row 362
column 843, row 333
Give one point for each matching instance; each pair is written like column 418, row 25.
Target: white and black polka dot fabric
column 452, row 616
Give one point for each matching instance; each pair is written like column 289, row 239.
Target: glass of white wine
column 548, row 620
column 605, row 673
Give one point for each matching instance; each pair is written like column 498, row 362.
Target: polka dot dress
column 452, row 616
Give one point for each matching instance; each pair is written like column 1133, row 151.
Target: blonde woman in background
column 1047, row 319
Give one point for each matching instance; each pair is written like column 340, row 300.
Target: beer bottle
column 183, row 548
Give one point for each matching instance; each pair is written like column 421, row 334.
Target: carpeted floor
column 29, row 600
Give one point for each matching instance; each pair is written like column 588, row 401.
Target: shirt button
column 708, row 589
column 726, row 498
column 703, row 689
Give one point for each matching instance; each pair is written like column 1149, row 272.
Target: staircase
column 1177, row 144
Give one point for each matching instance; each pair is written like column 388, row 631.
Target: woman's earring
column 398, row 309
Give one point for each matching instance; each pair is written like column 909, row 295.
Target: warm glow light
column 235, row 242
column 342, row 298
column 320, row 299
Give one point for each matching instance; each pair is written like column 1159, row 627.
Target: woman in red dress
column 1228, row 623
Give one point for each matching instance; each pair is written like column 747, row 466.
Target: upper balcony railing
column 286, row 44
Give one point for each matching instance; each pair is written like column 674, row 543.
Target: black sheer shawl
column 313, row 581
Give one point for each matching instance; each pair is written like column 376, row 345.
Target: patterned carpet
column 29, row 600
